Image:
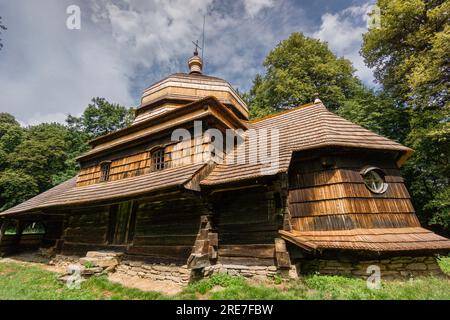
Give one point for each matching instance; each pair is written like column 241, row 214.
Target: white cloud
column 48, row 71
column 343, row 32
column 123, row 46
column 253, row 7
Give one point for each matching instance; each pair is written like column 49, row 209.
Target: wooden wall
column 176, row 154
column 166, row 229
column 87, row 225
column 247, row 225
column 334, row 196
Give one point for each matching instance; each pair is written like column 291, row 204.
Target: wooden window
column 158, row 159
column 374, row 179
column 105, row 168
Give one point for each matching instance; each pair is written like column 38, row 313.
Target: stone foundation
column 183, row 275
column 245, row 271
column 158, row 272
column 390, row 268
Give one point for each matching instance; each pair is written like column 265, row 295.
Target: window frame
column 379, row 176
column 157, row 156
column 104, row 177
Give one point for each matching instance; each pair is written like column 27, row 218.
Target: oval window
column 374, row 181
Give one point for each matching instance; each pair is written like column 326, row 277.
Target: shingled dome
column 180, row 88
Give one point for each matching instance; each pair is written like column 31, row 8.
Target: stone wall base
column 390, row 268
column 156, row 272
column 261, row 272
column 183, row 275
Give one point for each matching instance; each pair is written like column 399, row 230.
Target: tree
column 376, row 111
column 11, row 135
column 15, row 187
column 101, row 117
column 409, row 54
column 2, row 27
column 295, row 70
column 42, row 153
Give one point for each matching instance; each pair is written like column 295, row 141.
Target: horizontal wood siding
column 87, row 225
column 334, row 197
column 167, row 229
column 246, row 217
column 175, row 155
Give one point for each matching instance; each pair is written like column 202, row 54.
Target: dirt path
column 164, row 287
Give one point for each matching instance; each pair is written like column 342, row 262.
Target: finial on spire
column 196, row 47
column 195, row 62
column 316, row 98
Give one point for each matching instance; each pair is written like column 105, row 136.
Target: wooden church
column 334, row 201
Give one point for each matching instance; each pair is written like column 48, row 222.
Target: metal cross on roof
column 196, row 47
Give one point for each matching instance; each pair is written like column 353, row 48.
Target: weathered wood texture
column 167, row 228
column 87, row 225
column 247, row 224
column 196, row 150
column 330, row 194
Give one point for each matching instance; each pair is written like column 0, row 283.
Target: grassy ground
column 31, row 282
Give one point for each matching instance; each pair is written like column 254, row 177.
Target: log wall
column 247, row 224
column 166, row 229
column 87, row 226
column 330, row 194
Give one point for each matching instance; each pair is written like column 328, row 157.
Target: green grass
column 31, row 282
column 444, row 263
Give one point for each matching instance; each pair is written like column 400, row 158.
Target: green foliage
column 89, row 264
column 42, row 153
column 101, row 117
column 410, row 56
column 376, row 111
column 295, row 70
column 410, row 50
column 16, row 186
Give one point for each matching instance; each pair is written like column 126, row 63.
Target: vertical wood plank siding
column 336, row 198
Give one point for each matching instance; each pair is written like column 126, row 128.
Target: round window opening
column 374, row 181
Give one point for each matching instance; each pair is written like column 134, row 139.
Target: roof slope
column 376, row 240
column 67, row 193
column 304, row 128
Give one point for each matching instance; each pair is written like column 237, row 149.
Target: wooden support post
column 205, row 247
column 281, row 254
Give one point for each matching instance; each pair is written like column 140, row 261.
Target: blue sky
column 48, row 71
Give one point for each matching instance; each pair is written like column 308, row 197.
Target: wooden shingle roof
column 375, row 240
column 68, row 194
column 304, row 128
